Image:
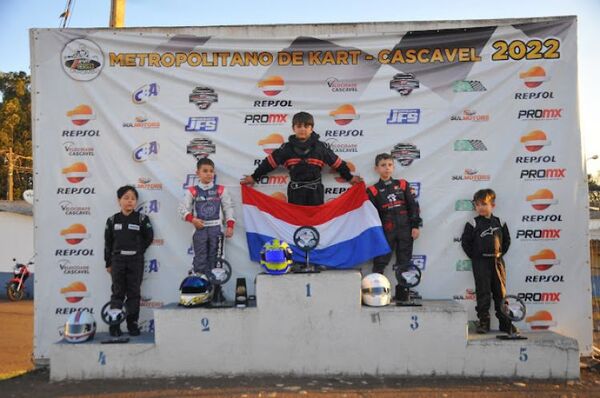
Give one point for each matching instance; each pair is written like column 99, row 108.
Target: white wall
column 16, row 239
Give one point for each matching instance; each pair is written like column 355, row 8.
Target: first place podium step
column 314, row 324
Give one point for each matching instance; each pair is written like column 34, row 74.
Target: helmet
column 80, row 327
column 276, row 257
column 195, row 290
column 376, row 290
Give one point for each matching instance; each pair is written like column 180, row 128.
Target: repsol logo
column 81, row 133
column 273, row 180
column 540, row 114
column 544, row 278
column 344, row 133
column 76, row 191
column 335, row 191
column 538, row 234
column 538, row 95
column 74, row 252
column 539, row 297
column 543, row 174
column 70, row 310
column 273, row 104
column 266, row 118
column 535, row 159
column 542, row 218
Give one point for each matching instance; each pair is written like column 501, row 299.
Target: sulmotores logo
column 200, row 148
column 341, row 147
column 82, row 59
column 69, row 268
column 73, row 149
column 145, row 93
column 471, row 175
column 142, row 122
column 404, row 116
column 203, row 97
column 467, row 86
column 540, row 114
column 405, row 153
column 469, row 145
column 147, row 184
column 70, row 210
column 341, row 86
column 404, row 83
column 202, row 124
column 146, row 151
column 265, row 118
column 469, row 115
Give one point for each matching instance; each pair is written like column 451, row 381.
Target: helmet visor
column 77, row 329
column 376, row 290
column 275, row 256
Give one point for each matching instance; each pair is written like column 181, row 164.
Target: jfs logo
column 202, row 124
column 419, row 261
column 404, row 116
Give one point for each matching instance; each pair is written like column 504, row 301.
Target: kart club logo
column 200, row 148
column 76, row 172
column 469, row 146
column 344, row 114
column 544, row 260
column 404, row 83
column 146, row 151
column 467, row 86
column 541, row 320
column 82, row 59
column 81, row 114
column 541, row 199
column 203, row 97
column 75, row 292
column 271, row 142
column 405, row 153
column 535, row 140
column 74, row 234
column 534, row 77
column 147, row 184
column 145, row 93
column 404, row 116
column 338, row 178
column 272, row 85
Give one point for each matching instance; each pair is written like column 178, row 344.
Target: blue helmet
column 276, row 257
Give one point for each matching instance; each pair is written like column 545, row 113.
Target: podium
column 314, row 325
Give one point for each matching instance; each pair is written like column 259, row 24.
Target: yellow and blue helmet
column 276, row 257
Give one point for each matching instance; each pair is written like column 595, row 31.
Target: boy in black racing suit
column 399, row 214
column 485, row 240
column 304, row 155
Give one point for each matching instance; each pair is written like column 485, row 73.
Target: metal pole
column 11, row 166
column 117, row 14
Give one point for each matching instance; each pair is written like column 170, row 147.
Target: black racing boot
column 218, row 296
column 483, row 326
column 133, row 328
column 115, row 330
column 508, row 327
column 402, row 294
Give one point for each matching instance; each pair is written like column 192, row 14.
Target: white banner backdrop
column 463, row 108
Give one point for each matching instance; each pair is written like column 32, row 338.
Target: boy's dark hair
column 126, row 188
column 204, row 161
column 485, row 196
column 303, row 118
column 382, row 156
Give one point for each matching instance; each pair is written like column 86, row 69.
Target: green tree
column 15, row 131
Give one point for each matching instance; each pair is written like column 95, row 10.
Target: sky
column 18, row 16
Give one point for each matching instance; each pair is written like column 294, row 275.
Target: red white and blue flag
column 349, row 227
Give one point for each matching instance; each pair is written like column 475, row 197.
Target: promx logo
column 538, row 234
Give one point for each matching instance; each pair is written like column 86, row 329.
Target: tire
column 12, row 293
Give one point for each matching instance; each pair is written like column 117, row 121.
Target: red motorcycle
column 15, row 288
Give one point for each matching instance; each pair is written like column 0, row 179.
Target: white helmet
column 80, row 327
column 376, row 290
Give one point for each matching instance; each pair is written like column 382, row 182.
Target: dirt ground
column 16, row 331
